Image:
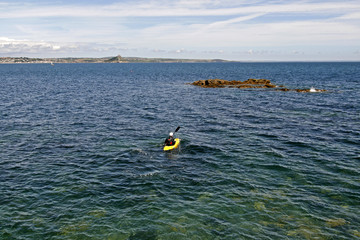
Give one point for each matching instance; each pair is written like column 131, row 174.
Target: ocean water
column 81, row 152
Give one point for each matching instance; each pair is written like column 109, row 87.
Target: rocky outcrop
column 220, row 83
column 250, row 83
column 301, row 90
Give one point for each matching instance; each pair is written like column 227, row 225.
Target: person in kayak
column 170, row 140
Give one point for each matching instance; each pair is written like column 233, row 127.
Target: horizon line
column 188, row 59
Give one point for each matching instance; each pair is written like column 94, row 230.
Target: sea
column 81, row 152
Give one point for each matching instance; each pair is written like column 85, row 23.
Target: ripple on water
column 81, row 153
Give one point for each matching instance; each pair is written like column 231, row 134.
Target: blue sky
column 245, row 30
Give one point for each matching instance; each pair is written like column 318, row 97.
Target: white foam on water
column 312, row 89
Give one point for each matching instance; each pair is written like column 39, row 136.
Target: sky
column 241, row 30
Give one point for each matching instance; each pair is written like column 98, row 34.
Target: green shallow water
column 81, row 152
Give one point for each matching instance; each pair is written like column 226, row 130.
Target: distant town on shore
column 116, row 59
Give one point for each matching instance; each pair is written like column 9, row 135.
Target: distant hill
column 117, row 59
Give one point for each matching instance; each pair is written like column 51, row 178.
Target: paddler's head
column 171, row 134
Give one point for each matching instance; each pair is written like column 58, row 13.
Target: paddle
column 177, row 129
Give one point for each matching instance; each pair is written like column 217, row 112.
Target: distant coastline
column 116, row 59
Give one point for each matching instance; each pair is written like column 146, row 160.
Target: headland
column 116, row 59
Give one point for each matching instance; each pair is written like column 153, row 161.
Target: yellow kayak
column 176, row 145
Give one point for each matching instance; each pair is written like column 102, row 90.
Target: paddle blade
column 177, row 129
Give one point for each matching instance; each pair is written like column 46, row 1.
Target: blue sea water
column 81, row 152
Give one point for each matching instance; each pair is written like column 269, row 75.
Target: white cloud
column 171, row 9
column 13, row 46
column 236, row 33
column 55, row 47
column 350, row 16
column 233, row 20
column 8, row 45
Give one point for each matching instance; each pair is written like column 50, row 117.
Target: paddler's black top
column 169, row 141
